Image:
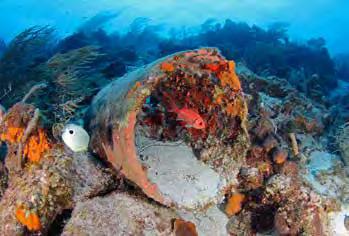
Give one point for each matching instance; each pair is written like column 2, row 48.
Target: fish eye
column 71, row 131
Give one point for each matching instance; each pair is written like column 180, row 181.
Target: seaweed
column 2, row 46
column 22, row 56
column 69, row 73
column 266, row 51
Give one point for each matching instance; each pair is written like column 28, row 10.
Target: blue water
column 272, row 37
column 306, row 19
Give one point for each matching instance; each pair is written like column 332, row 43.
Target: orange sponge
column 167, row 67
column 230, row 78
column 36, row 146
column 12, row 135
column 234, row 204
column 184, row 228
column 30, row 219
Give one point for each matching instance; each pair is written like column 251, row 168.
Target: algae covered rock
column 44, row 177
column 59, row 182
column 120, row 214
column 343, row 142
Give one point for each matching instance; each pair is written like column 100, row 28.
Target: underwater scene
column 182, row 118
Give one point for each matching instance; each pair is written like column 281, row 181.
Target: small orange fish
column 191, row 118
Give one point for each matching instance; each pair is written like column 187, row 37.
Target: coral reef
column 265, row 180
column 343, row 142
column 299, row 208
column 51, row 180
column 278, row 198
column 58, row 183
column 220, row 149
column 3, row 179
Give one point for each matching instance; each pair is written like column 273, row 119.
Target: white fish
column 75, row 137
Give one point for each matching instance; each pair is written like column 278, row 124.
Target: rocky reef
column 43, row 177
column 120, row 214
column 343, row 142
column 191, row 144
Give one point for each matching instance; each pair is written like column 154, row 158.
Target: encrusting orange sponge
column 30, row 219
column 36, row 146
column 13, row 135
column 234, row 204
column 184, row 228
column 235, row 82
column 229, row 77
column 167, row 67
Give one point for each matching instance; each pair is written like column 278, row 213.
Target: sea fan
column 73, row 80
column 21, row 58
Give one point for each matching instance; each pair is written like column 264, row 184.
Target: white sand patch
column 209, row 222
column 327, row 176
column 337, row 221
column 178, row 174
column 320, row 162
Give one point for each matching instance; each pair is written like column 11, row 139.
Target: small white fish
column 75, row 137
